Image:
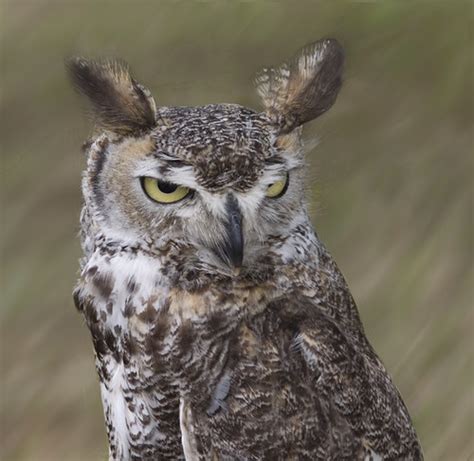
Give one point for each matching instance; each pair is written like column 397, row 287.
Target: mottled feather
column 222, row 327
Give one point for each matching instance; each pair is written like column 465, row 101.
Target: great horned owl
column 222, row 328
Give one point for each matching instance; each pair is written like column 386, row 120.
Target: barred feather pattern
column 281, row 370
column 199, row 357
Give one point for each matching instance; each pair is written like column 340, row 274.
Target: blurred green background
column 391, row 188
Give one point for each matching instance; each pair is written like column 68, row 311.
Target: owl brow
column 275, row 160
column 288, row 163
column 167, row 162
column 168, row 158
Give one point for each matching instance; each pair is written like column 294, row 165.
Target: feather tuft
column 119, row 103
column 303, row 88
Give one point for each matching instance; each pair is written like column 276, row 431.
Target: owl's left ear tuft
column 305, row 87
column 119, row 103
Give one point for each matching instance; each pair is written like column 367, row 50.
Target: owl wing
column 353, row 383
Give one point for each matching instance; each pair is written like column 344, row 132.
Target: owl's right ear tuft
column 119, row 103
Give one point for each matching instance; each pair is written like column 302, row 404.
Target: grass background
column 391, row 184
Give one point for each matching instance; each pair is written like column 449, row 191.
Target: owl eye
column 164, row 191
column 278, row 188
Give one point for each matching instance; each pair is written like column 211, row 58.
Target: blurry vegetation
column 390, row 183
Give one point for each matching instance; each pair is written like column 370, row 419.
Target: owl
column 222, row 327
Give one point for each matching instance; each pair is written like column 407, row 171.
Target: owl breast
column 157, row 343
column 123, row 296
column 265, row 403
column 228, row 369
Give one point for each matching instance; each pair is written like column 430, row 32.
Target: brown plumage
column 120, row 104
column 305, row 87
column 222, row 328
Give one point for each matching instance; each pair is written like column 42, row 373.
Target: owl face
column 216, row 180
column 222, row 183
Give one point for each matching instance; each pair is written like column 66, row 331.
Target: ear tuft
column 119, row 103
column 305, row 87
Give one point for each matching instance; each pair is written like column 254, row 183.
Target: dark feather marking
column 132, row 285
column 129, row 308
column 76, row 296
column 111, row 342
column 129, row 346
column 104, row 284
column 90, row 310
column 149, row 314
column 185, row 337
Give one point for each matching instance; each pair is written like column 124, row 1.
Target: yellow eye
column 163, row 191
column 278, row 188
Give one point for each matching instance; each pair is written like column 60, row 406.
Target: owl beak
column 232, row 250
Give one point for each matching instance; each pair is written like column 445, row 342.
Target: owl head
column 222, row 182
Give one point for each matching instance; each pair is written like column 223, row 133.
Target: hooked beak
column 232, row 250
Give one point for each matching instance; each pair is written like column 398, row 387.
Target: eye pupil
column 163, row 191
column 167, row 187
